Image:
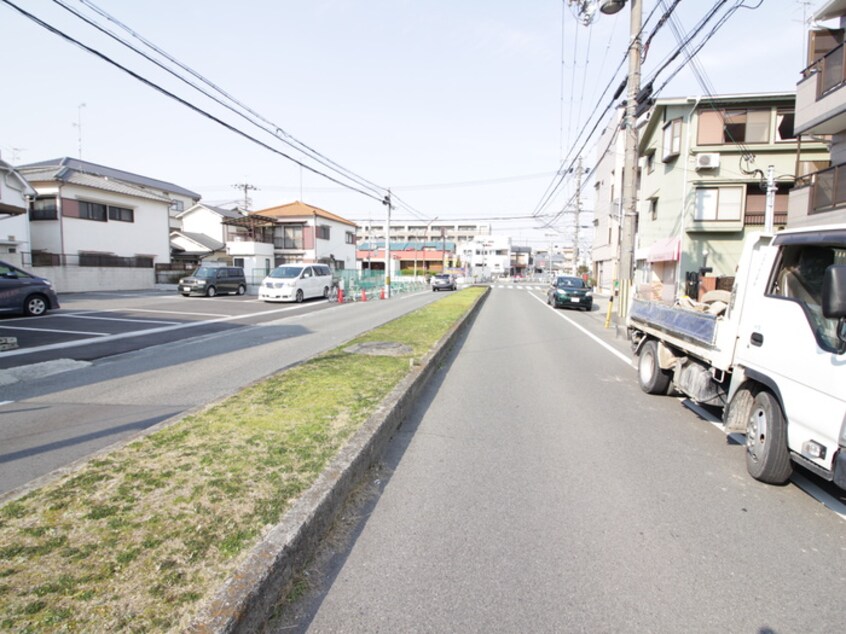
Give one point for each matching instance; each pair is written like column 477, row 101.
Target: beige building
column 703, row 182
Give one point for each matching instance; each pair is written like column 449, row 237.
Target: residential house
column 487, row 257
column 202, row 236
column 97, row 228
column 703, row 183
column 820, row 194
column 15, row 194
column 521, row 260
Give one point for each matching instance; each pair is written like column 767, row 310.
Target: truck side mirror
column 834, row 297
column 834, row 292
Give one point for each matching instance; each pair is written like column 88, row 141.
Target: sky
column 465, row 109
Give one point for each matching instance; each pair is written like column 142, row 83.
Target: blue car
column 22, row 292
column 570, row 292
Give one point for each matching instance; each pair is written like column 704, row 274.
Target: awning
column 665, row 250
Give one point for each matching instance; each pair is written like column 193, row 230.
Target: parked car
column 569, row 292
column 296, row 282
column 214, row 280
column 443, row 282
column 22, row 292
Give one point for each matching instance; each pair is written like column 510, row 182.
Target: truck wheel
column 767, row 457
column 653, row 379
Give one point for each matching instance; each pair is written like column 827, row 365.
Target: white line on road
column 136, row 310
column 136, row 321
column 140, row 333
column 67, row 332
column 624, row 358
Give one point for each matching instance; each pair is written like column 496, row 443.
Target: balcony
column 821, row 192
column 820, row 100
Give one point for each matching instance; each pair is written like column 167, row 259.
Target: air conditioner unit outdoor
column 708, row 160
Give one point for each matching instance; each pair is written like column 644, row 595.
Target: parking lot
column 92, row 325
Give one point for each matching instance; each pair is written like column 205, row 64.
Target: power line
column 273, row 131
column 184, row 102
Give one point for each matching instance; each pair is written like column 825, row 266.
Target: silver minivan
column 296, row 282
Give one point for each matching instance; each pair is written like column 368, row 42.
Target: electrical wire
column 179, row 99
column 273, row 130
column 276, row 130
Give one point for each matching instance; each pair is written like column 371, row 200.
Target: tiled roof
column 200, row 238
column 299, row 209
column 60, row 167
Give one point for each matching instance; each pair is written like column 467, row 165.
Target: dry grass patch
column 134, row 540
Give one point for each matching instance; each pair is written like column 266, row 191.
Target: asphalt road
column 536, row 489
column 48, row 422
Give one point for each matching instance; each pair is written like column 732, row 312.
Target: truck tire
column 767, row 456
column 653, row 379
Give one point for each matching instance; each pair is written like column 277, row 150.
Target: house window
column 122, row 214
column 718, row 127
column 177, row 205
column 784, row 125
column 323, row 232
column 291, row 237
column 718, row 203
column 650, row 162
column 44, row 208
column 672, row 139
column 92, row 211
column 653, row 208
column 238, row 262
column 350, row 237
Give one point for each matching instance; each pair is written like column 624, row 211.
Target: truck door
column 784, row 337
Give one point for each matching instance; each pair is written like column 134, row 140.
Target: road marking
column 67, row 332
column 625, row 359
column 139, row 333
column 137, row 321
column 137, row 310
column 6, row 402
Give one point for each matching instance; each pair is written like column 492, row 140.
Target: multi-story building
column 405, row 231
column 703, row 183
column 820, row 193
column 486, row 257
column 608, row 187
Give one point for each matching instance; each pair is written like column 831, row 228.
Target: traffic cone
column 340, row 296
column 363, row 295
column 382, row 293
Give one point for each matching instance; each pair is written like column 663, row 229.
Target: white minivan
column 296, row 282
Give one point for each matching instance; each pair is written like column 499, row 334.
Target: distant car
column 214, row 280
column 22, row 292
column 443, row 282
column 569, row 292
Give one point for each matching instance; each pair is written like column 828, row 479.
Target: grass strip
column 135, row 539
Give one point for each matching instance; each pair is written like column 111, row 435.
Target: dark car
column 22, row 292
column 570, row 292
column 214, row 280
column 443, row 282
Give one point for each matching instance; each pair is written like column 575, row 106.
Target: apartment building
column 820, row 194
column 405, row 231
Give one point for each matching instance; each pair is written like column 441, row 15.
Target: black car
column 569, row 292
column 214, row 280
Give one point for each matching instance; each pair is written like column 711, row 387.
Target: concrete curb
column 247, row 599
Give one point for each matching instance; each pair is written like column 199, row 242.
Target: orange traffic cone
column 363, row 295
column 340, row 296
column 382, row 294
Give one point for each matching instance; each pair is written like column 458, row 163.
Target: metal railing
column 832, row 70
column 828, row 188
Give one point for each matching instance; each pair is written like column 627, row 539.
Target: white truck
column 772, row 355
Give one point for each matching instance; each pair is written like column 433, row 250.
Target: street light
column 610, row 7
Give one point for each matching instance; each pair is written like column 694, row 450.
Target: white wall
column 14, row 229
column 149, row 234
column 78, row 279
column 201, row 220
column 336, row 244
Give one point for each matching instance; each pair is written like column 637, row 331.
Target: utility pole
column 769, row 210
column 389, row 205
column 627, row 239
column 247, row 188
column 579, row 174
